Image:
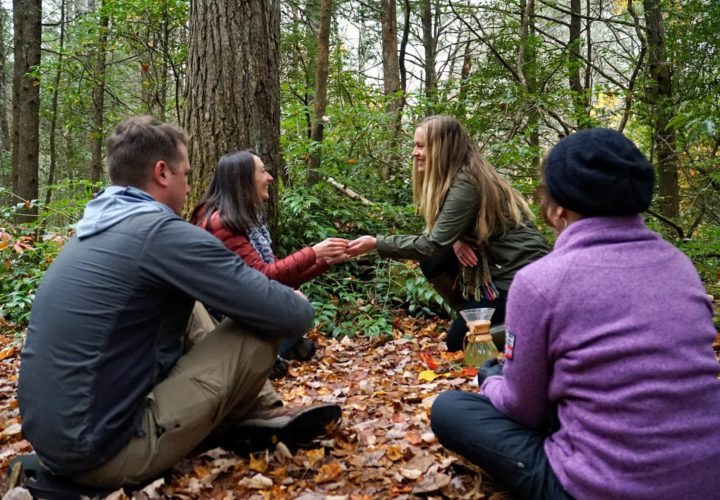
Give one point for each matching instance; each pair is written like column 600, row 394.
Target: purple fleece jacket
column 614, row 330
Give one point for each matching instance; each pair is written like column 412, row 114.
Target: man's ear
column 161, row 172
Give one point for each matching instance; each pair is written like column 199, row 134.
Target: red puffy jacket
column 294, row 270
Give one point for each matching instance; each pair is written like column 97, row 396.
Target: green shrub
column 363, row 295
column 27, row 250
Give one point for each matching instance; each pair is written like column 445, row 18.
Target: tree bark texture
column 660, row 99
column 321, row 83
column 575, row 65
column 467, row 62
column 233, row 89
column 54, row 107
column 26, row 103
column 403, row 45
column 430, row 46
column 527, row 70
column 312, row 16
column 5, row 142
column 391, row 75
column 98, row 96
column 391, row 64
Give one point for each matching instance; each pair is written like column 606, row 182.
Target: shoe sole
column 300, row 430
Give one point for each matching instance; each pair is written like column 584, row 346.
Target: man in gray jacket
column 111, row 390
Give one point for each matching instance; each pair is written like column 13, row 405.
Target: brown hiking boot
column 297, row 426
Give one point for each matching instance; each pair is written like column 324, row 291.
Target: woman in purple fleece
column 610, row 386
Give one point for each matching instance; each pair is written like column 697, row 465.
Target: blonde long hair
column 448, row 152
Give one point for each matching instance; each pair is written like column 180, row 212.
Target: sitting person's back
column 626, row 327
column 110, row 390
column 610, row 386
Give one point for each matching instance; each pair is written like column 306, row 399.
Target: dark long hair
column 232, row 193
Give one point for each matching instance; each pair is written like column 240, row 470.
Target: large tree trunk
column 54, row 107
column 233, row 89
column 391, row 76
column 98, row 97
column 321, row 82
column 660, row 99
column 26, row 103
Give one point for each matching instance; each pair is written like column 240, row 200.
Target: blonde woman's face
column 418, row 153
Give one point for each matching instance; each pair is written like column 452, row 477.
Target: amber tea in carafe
column 479, row 346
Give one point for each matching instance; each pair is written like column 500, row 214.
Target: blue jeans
column 447, row 263
column 468, row 424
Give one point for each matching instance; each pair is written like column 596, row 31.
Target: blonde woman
column 478, row 228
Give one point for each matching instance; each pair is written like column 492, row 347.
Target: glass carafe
column 479, row 345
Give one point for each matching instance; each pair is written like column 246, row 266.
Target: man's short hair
column 137, row 144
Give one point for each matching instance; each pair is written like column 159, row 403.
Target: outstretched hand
column 465, row 254
column 331, row 248
column 361, row 245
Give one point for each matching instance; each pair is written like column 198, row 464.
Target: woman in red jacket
column 231, row 209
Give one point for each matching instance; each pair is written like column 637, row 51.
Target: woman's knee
column 444, row 411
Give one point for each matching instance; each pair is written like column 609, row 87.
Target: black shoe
column 304, row 350
column 41, row 483
column 279, row 369
column 298, row 426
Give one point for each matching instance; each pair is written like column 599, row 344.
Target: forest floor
column 383, row 448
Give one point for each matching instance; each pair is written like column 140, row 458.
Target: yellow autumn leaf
column 328, row 472
column 314, row 457
column 394, row 453
column 430, row 375
column 258, row 463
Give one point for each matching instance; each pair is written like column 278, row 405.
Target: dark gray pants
column 468, row 424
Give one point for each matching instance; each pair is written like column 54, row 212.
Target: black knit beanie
column 599, row 172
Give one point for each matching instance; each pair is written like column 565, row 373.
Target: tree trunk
column 391, row 76
column 233, row 88
column 659, row 96
column 430, row 45
column 5, row 144
column 575, row 65
column 98, row 97
column 403, row 47
column 54, row 107
column 321, row 81
column 26, row 104
column 527, row 70
column 312, row 13
column 464, row 76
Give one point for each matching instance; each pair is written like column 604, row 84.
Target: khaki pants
column 213, row 385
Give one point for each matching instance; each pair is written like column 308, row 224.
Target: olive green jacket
column 506, row 253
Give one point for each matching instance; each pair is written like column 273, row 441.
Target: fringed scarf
column 476, row 282
column 260, row 240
